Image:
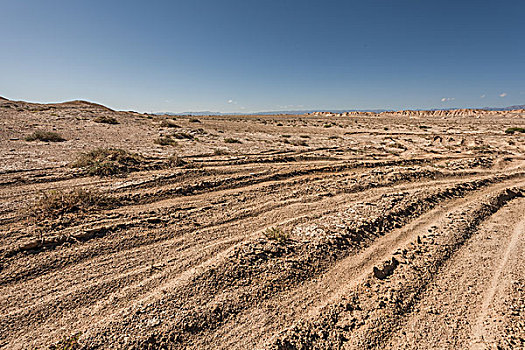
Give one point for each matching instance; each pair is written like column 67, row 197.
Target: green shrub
column 47, row 136
column 108, row 161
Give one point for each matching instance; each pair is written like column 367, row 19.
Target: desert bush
column 194, row 120
column 513, row 130
column 165, row 141
column 231, row 140
column 327, row 125
column 276, row 234
column 286, row 136
column 68, row 343
column 220, row 152
column 169, row 123
column 108, row 161
column 175, row 160
column 47, row 136
column 299, row 142
column 182, row 136
column 304, row 136
column 105, row 119
column 56, row 203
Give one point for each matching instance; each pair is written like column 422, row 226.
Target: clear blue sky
column 257, row 55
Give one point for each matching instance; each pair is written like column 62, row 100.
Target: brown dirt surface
column 382, row 231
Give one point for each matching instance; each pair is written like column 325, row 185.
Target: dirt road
column 372, row 232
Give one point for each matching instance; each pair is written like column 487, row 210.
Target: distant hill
column 293, row 112
column 509, row 108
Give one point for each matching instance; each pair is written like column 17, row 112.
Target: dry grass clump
column 182, row 136
column 57, row 203
column 221, row 152
column 299, row 142
column 68, row 343
column 105, row 119
column 174, row 160
column 108, row 161
column 231, row 140
column 169, row 123
column 276, row 234
column 513, row 130
column 166, row 141
column 47, row 136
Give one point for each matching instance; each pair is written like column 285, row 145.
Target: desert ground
column 402, row 230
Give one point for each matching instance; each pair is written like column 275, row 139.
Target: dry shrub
column 166, row 141
column 169, row 123
column 513, row 130
column 47, row 136
column 105, row 119
column 276, row 234
column 182, row 136
column 230, row 140
column 57, row 203
column 175, row 160
column 108, row 161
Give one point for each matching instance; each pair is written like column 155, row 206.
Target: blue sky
column 248, row 55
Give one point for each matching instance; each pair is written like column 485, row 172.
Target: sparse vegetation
column 165, row 141
column 68, row 343
column 47, row 136
column 169, row 123
column 174, row 160
column 304, row 136
column 220, row 152
column 327, row 125
column 56, row 203
column 105, row 119
column 194, row 120
column 108, row 161
column 182, row 136
column 286, row 136
column 299, row 142
column 231, row 140
column 511, row 131
column 276, row 234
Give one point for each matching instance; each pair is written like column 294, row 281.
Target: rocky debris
column 386, row 270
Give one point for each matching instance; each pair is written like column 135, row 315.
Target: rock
column 387, row 269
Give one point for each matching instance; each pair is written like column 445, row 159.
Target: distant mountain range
column 509, row 108
column 304, row 111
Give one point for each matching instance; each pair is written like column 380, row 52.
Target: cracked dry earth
column 395, row 232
